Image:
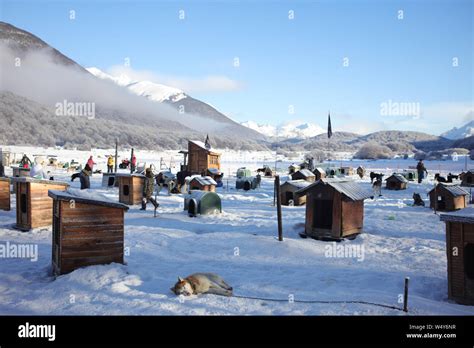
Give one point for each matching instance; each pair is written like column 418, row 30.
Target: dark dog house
column 202, row 202
column 304, row 174
column 447, row 197
column 246, row 183
column 5, row 194
column 460, row 254
column 85, row 231
column 396, row 182
column 34, row 208
column 467, row 178
column 334, row 208
column 109, row 180
column 289, row 195
column 130, row 188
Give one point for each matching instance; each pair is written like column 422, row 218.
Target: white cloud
column 210, row 83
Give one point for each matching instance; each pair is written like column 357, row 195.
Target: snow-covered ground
column 240, row 245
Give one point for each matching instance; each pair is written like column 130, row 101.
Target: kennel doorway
column 322, row 214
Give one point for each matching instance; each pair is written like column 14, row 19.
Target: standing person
column 25, row 162
column 84, row 176
column 37, row 170
column 134, row 163
column 148, row 189
column 110, row 164
column 91, row 163
column 421, row 169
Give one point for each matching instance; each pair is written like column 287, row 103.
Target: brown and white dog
column 202, row 283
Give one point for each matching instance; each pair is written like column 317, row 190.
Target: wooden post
column 116, row 154
column 131, row 159
column 278, row 199
column 405, row 295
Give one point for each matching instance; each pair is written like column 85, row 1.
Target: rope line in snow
column 320, row 301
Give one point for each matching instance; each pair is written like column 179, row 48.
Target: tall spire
column 329, row 125
column 207, row 143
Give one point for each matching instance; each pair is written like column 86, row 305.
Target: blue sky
column 283, row 61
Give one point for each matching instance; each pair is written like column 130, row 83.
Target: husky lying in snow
column 202, row 283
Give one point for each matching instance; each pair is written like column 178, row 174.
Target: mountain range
column 141, row 113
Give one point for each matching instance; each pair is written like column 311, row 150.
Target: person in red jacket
column 91, row 163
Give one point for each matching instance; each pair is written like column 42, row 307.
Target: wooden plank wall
column 456, row 276
column 88, row 235
column 5, row 195
column 41, row 205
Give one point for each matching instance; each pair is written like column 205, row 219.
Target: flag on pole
column 329, row 126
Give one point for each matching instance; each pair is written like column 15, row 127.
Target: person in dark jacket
column 84, row 176
column 148, row 189
column 421, row 169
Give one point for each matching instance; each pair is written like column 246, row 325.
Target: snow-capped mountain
column 460, row 133
column 287, row 130
column 151, row 90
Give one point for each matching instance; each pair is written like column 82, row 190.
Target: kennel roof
column 453, row 189
column 349, row 188
column 465, row 215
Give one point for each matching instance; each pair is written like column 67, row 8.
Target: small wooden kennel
column 34, row 208
column 130, row 188
column 460, row 254
column 85, row 231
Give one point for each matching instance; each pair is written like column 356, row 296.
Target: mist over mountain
column 32, row 71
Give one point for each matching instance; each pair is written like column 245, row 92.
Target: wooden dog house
column 304, row 174
column 293, row 169
column 319, row 173
column 410, row 174
column 202, row 183
column 130, row 188
column 467, row 178
column 334, row 208
column 460, row 254
column 34, row 208
column 346, row 171
column 109, row 180
column 289, row 195
column 396, row 182
column 447, row 197
column 5, row 194
column 85, row 231
column 202, row 202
